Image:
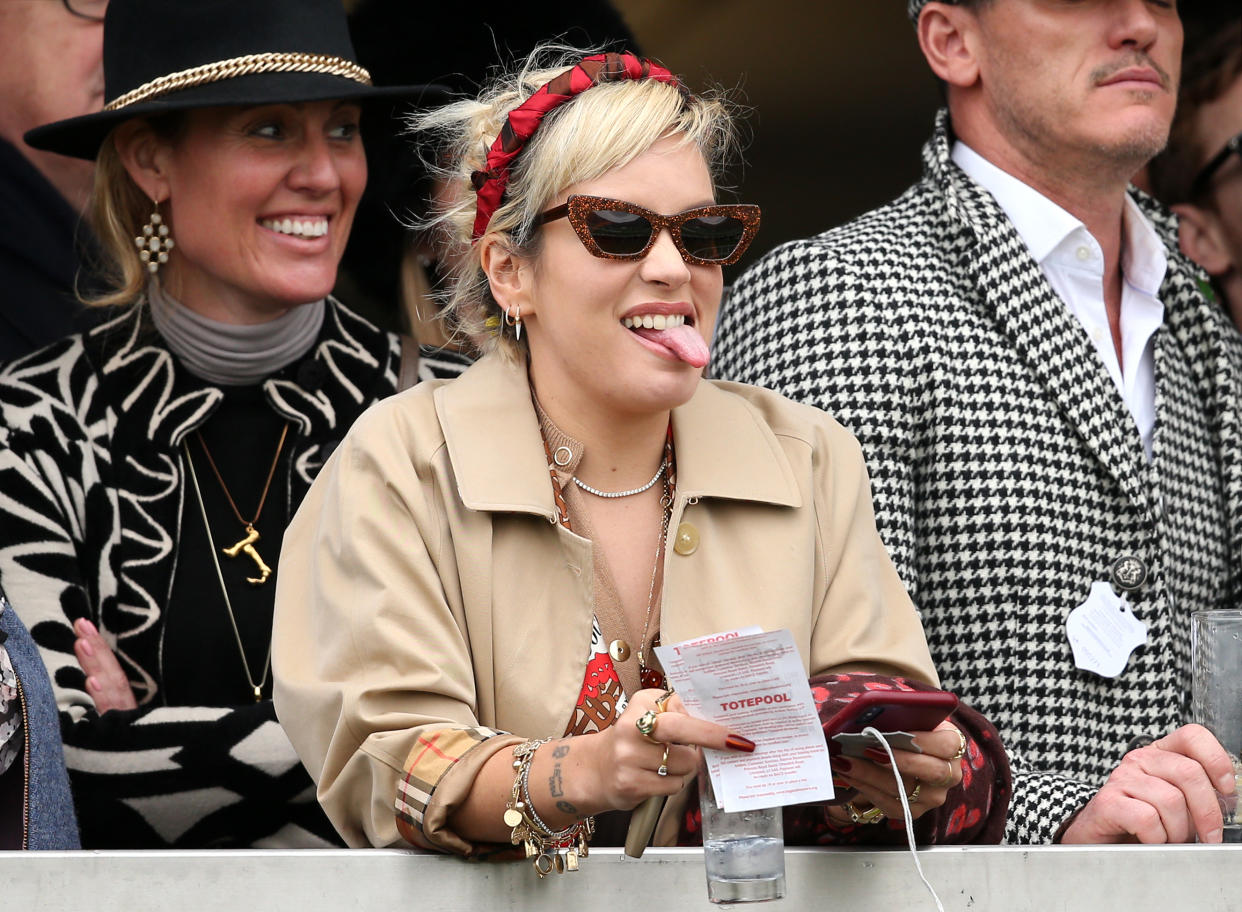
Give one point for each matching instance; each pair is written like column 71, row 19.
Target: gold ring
column 961, row 745
column 661, row 704
column 663, row 770
column 947, row 781
column 871, row 815
column 914, row 795
column 646, row 724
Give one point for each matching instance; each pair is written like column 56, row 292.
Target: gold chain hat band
column 248, row 65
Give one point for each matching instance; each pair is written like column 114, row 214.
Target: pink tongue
column 684, row 341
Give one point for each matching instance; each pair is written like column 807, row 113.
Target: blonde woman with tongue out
column 464, row 644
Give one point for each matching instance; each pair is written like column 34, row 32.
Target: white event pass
column 1103, row 631
column 754, row 684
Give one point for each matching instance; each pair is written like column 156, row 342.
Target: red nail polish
column 840, row 784
column 877, row 756
column 738, row 743
column 842, row 764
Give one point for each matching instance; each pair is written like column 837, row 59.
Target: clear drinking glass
column 1216, row 693
column 744, row 851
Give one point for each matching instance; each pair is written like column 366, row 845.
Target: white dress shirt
column 1074, row 265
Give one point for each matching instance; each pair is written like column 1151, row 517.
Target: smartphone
column 893, row 711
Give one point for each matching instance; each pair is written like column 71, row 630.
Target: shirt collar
column 1044, row 226
column 1040, row 222
column 1144, row 261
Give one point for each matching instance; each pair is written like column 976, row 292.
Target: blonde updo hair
column 119, row 209
column 602, row 128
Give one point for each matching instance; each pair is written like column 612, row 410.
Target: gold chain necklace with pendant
column 257, row 689
column 246, row 545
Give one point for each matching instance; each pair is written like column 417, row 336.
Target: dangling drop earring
column 154, row 242
column 515, row 322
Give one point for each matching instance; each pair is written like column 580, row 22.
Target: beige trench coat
column 425, row 582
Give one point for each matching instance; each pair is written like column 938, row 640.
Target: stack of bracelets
column 549, row 850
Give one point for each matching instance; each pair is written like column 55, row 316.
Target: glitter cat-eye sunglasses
column 617, row 230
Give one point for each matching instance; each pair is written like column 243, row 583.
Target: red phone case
column 893, row 711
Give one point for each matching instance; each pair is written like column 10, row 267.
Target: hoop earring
column 515, row 322
column 154, row 242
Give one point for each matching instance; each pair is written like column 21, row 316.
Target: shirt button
column 1128, row 573
column 687, row 541
column 1083, row 253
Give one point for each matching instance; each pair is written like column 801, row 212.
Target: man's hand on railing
column 1162, row 793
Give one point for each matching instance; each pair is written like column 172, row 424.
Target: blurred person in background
column 1199, row 175
column 51, row 68
column 389, row 273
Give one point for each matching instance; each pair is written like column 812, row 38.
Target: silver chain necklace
column 632, row 491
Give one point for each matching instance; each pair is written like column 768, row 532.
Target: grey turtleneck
column 231, row 354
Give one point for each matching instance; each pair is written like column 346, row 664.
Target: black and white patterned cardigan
column 1007, row 472
column 91, row 493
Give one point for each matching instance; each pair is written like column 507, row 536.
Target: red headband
column 526, row 117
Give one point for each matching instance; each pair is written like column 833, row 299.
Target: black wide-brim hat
column 161, row 56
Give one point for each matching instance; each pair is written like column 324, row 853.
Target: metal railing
column 975, row 879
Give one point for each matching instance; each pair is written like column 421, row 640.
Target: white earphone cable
column 905, row 807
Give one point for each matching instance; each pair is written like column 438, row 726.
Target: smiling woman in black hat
column 149, row 467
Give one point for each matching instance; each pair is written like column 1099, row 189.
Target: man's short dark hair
column 1208, row 71
column 915, row 7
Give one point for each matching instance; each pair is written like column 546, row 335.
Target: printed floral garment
column 974, row 812
column 602, row 698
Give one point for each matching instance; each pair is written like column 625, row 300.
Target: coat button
column 619, row 650
column 1129, row 573
column 687, row 541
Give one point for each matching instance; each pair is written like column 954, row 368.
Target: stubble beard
column 1037, row 131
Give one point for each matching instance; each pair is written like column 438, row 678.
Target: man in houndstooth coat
column 1050, row 402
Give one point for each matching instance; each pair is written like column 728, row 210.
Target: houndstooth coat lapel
column 1042, row 329
column 1195, row 359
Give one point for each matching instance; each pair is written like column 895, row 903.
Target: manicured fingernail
column 92, row 683
column 1214, row 836
column 88, row 629
column 1227, row 784
column 738, row 743
column 86, row 648
column 875, row 755
column 840, row 783
column 842, row 764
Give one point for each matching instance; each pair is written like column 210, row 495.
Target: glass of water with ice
column 1216, row 693
column 744, row 850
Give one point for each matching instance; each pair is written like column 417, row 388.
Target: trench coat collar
column 492, row 434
